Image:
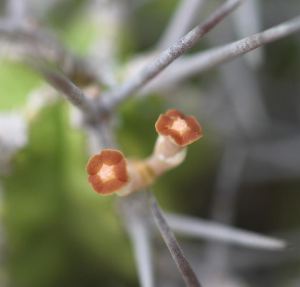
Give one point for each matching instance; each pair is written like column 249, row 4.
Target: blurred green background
column 58, row 231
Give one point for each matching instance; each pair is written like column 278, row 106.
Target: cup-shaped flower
column 108, row 171
column 177, row 128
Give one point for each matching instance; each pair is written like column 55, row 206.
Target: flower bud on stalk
column 110, row 172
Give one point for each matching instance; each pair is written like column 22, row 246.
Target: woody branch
column 113, row 98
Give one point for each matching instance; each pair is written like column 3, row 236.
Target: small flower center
column 107, row 172
column 180, row 126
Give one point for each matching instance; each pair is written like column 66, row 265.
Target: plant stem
column 181, row 21
column 71, row 92
column 183, row 265
column 211, row 230
column 121, row 93
column 202, row 61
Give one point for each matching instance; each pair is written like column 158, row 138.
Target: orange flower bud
column 108, row 171
column 177, row 128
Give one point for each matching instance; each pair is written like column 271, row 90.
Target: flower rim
column 111, row 158
column 164, row 128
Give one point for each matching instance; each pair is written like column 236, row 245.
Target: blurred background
column 245, row 171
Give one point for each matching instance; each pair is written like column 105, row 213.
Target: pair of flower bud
column 110, row 172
